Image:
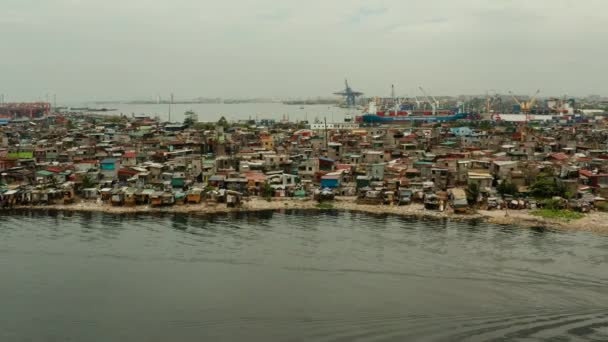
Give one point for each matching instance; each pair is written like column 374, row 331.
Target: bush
column 565, row 215
column 325, row 205
column 552, row 204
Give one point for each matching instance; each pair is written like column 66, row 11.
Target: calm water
column 295, row 276
column 232, row 112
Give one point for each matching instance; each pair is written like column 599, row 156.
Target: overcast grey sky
column 123, row 49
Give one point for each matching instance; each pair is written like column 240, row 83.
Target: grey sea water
column 295, row 276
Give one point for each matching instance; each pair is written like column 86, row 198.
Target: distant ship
column 373, row 115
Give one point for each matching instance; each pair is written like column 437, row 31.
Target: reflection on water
column 291, row 275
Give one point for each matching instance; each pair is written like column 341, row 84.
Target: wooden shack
column 194, row 196
column 143, row 196
column 233, row 198
column 68, row 196
column 117, row 197
column 167, row 198
column 106, row 194
column 180, row 198
column 156, row 199
column 130, row 198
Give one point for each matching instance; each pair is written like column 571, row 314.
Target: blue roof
column 109, row 161
column 326, row 159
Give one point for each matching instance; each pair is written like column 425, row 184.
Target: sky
column 85, row 50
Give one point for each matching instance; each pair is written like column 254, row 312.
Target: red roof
column 127, row 172
column 130, row 154
column 559, row 156
column 344, row 167
column 54, row 169
column 255, row 176
column 586, row 173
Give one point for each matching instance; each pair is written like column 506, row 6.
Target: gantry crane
column 349, row 94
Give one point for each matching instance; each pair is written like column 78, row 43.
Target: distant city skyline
column 135, row 50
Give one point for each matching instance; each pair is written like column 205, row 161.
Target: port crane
column 526, row 106
column 350, row 96
column 493, row 103
column 434, row 103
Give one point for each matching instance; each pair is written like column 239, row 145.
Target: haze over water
column 275, row 276
column 212, row 112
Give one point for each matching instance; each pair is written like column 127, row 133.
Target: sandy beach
column 593, row 222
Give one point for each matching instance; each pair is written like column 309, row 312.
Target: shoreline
column 592, row 222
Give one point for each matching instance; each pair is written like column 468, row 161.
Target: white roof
column 505, row 162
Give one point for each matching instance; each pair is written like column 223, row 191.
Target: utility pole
column 326, row 141
column 170, row 103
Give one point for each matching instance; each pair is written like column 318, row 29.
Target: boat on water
column 399, row 114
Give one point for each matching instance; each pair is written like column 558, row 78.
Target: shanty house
column 109, row 168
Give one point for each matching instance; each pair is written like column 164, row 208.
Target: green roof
column 138, row 134
column 44, row 173
column 21, row 155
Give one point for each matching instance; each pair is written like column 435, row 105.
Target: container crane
column 434, row 103
column 349, row 94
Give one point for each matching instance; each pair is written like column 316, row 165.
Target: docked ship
column 403, row 114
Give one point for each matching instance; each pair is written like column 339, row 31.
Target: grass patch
column 324, row 205
column 564, row 215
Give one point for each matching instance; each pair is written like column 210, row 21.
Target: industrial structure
column 30, row 110
column 350, row 96
column 526, row 106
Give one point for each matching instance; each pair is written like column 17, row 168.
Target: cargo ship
column 400, row 114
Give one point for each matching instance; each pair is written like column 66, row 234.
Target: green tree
column 115, row 119
column 472, row 192
column 189, row 118
column 207, row 126
column 222, row 122
column 546, row 187
column 506, row 188
column 87, row 181
column 267, row 191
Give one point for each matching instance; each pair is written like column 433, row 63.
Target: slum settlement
column 454, row 166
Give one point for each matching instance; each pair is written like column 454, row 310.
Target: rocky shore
column 592, row 222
